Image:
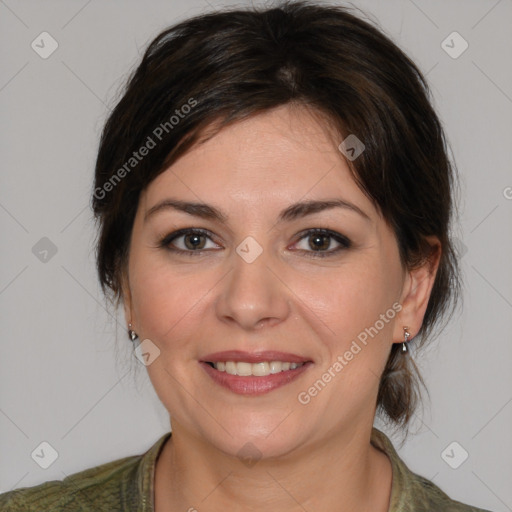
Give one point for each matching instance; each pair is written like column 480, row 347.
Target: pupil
column 194, row 244
column 320, row 237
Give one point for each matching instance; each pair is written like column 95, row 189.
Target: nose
column 253, row 295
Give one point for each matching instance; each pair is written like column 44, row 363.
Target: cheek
column 359, row 315
column 352, row 299
column 166, row 301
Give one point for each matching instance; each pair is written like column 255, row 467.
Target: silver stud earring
column 406, row 336
column 131, row 333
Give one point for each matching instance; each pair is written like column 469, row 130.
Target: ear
column 416, row 293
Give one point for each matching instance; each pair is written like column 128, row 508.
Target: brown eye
column 320, row 240
column 187, row 241
column 194, row 241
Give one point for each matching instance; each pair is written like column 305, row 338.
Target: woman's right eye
column 190, row 240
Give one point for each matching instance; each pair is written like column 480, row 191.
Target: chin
column 255, row 443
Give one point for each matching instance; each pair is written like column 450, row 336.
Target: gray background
column 68, row 376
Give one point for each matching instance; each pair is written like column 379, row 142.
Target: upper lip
column 253, row 357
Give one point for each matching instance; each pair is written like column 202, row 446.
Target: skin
column 314, row 456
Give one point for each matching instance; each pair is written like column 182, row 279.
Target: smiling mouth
column 260, row 369
column 247, row 384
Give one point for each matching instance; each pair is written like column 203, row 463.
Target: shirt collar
column 145, row 477
column 401, row 473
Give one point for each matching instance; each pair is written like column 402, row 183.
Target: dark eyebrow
column 290, row 213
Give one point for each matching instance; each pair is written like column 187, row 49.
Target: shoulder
column 430, row 497
column 413, row 492
column 99, row 488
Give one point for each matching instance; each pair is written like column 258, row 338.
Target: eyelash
column 344, row 242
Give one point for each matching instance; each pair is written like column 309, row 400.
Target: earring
column 406, row 336
column 131, row 333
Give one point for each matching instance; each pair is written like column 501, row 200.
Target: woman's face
column 257, row 282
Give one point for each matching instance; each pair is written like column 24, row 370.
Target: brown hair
column 220, row 67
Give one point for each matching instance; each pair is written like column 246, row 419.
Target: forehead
column 262, row 163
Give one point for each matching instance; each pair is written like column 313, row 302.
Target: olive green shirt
column 127, row 484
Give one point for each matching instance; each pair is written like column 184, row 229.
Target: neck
column 344, row 472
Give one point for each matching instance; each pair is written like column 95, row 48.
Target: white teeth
column 257, row 369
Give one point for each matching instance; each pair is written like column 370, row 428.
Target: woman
column 274, row 199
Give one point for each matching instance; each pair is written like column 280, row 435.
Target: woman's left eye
column 318, row 240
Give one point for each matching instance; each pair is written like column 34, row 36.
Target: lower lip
column 252, row 385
